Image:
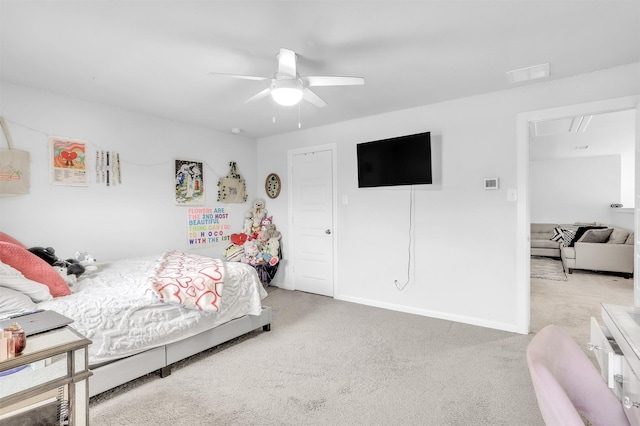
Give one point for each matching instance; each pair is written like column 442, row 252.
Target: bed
column 134, row 326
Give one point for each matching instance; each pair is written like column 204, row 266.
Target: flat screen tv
column 403, row 160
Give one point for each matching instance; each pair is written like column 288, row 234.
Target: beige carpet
column 328, row 362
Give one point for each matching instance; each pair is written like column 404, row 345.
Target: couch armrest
column 604, row 257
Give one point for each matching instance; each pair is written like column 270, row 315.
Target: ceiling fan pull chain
column 299, row 121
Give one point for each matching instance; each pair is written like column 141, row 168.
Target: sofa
column 588, row 246
column 542, row 243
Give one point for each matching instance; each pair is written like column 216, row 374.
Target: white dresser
column 616, row 346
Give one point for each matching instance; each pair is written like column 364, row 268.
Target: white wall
column 575, row 189
column 140, row 216
column 465, row 236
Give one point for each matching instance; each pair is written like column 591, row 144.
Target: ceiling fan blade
column 318, row 80
column 310, row 96
column 242, row 77
column 263, row 94
column 287, row 63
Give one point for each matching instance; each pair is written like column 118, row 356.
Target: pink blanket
column 189, row 280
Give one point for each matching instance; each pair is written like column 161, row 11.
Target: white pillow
column 13, row 301
column 13, row 279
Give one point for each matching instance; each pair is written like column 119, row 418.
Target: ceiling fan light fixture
column 287, row 92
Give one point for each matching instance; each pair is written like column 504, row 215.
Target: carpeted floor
column 328, row 362
column 547, row 268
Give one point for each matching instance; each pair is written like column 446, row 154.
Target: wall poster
column 189, row 182
column 68, row 161
column 207, row 225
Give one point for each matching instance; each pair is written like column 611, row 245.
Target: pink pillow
column 33, row 268
column 6, row 238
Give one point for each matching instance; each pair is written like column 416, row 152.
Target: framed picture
column 189, row 182
column 68, row 161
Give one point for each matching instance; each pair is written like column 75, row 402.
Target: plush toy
column 48, row 254
column 234, row 252
column 258, row 212
column 74, row 267
column 263, row 257
column 270, row 232
column 70, row 279
column 87, row 260
column 266, row 221
column 239, row 239
column 273, row 246
column 248, row 223
column 251, row 251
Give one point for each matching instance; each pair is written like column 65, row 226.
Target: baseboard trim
column 512, row 328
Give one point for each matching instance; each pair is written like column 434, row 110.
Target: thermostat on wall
column 491, row 183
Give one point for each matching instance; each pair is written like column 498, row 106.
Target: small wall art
column 68, row 161
column 14, row 167
column 108, row 168
column 232, row 187
column 189, row 182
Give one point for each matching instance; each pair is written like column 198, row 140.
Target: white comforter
column 113, row 308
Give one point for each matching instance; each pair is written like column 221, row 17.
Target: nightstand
column 48, row 383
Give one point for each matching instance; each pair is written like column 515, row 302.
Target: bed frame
column 108, row 376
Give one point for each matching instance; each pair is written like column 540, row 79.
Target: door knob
column 328, row 231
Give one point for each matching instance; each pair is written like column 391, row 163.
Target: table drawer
column 608, row 355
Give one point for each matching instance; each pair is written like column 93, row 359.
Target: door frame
column 523, row 220
column 334, row 208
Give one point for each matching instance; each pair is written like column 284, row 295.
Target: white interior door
column 312, row 221
column 636, row 269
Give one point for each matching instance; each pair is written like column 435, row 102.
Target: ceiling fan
column 289, row 88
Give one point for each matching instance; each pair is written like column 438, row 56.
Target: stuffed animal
column 74, row 267
column 48, row 254
column 248, row 223
column 270, row 232
column 273, row 246
column 251, row 251
column 87, row 260
column 234, row 252
column 258, row 212
column 266, row 221
column 70, row 279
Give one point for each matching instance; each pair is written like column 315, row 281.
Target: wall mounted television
column 403, row 160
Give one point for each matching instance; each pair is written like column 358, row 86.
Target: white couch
column 609, row 249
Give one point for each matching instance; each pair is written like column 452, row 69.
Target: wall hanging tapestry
column 14, row 167
column 68, row 161
column 189, row 182
column 232, row 188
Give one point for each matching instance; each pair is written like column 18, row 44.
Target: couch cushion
column 618, row 236
column 596, row 235
column 564, row 234
column 630, row 239
column 580, row 232
column 545, row 244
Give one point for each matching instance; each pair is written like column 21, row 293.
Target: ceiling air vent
column 529, row 73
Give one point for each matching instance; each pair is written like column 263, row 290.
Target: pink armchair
column 567, row 383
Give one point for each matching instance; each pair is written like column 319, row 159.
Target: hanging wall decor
column 14, row 167
column 232, row 188
column 68, row 161
column 108, row 168
column 189, row 182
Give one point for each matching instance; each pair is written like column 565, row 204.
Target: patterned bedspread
column 114, row 308
column 188, row 279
